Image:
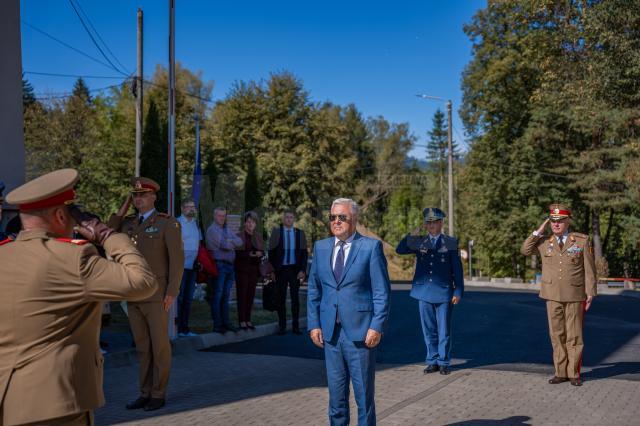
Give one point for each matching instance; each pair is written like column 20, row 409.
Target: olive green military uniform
column 568, row 277
column 159, row 240
column 50, row 312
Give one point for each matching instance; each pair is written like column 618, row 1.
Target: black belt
column 226, row 262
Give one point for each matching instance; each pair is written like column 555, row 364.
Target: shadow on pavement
column 511, row 421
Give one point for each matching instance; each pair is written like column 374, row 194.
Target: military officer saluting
column 569, row 285
column 438, row 284
column 53, row 288
column 159, row 239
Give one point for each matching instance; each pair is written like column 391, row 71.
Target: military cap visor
column 52, row 189
column 433, row 214
column 558, row 211
column 142, row 184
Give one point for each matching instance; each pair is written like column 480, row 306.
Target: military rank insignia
column 151, row 230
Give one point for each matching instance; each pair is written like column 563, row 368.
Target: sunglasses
column 340, row 217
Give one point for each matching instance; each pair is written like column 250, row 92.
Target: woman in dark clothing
column 247, row 268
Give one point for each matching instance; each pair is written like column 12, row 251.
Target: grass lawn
column 200, row 319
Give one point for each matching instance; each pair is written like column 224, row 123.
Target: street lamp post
column 450, row 158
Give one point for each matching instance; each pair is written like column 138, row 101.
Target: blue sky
column 375, row 54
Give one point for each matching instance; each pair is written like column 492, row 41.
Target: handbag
column 265, row 267
column 270, row 296
column 206, row 266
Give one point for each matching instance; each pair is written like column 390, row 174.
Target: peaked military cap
column 143, row 184
column 558, row 211
column 52, row 189
column 431, row 214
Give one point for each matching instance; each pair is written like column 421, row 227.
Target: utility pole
column 450, row 171
column 171, row 109
column 450, row 158
column 172, row 140
column 470, row 259
column 139, row 92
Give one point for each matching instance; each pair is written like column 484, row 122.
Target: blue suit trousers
column 347, row 360
column 436, row 327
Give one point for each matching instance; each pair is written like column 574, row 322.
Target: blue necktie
column 338, row 267
column 288, row 261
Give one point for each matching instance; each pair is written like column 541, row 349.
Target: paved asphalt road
column 496, row 329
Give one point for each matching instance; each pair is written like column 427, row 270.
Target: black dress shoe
column 432, row 368
column 231, row 328
column 141, row 402
column 251, row 326
column 297, row 331
column 444, row 370
column 282, row 332
column 154, row 404
column 576, row 381
column 555, row 380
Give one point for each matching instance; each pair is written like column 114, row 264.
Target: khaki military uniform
column 568, row 277
column 159, row 239
column 52, row 295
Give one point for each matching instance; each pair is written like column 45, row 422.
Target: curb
column 184, row 345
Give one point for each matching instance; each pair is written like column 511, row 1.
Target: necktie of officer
column 140, row 220
column 338, row 266
column 561, row 243
column 434, row 241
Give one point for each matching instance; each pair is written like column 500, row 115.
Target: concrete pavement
column 502, row 360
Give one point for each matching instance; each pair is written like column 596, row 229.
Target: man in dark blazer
column 347, row 311
column 288, row 257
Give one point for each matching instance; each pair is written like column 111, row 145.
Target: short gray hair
column 348, row 201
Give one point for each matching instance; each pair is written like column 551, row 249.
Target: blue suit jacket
column 360, row 298
column 438, row 275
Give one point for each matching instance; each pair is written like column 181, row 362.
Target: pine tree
column 153, row 156
column 28, row 94
column 437, row 150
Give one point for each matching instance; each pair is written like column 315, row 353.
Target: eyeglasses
column 340, row 217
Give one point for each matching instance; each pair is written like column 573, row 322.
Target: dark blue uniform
column 437, row 279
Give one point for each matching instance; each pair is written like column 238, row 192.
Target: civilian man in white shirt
column 191, row 237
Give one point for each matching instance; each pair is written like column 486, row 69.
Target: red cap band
column 61, row 198
column 560, row 212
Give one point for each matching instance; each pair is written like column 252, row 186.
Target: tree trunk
column 597, row 240
column 609, row 227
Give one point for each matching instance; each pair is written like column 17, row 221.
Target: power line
column 208, row 100
column 42, row 96
column 84, row 25
column 57, row 40
column 52, row 74
column 99, row 37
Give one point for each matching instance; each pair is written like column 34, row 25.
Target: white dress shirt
column 336, row 248
column 146, row 215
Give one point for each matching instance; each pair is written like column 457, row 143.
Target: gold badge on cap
column 138, row 185
column 556, row 211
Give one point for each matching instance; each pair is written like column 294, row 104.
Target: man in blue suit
column 348, row 307
column 437, row 284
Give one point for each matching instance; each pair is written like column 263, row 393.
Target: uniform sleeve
column 115, row 222
column 590, row 273
column 530, row 245
column 406, row 245
column 126, row 277
column 175, row 252
column 314, row 293
column 457, row 273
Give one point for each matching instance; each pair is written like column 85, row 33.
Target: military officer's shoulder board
column 72, row 241
column 580, row 236
column 6, row 241
column 165, row 215
column 131, row 216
